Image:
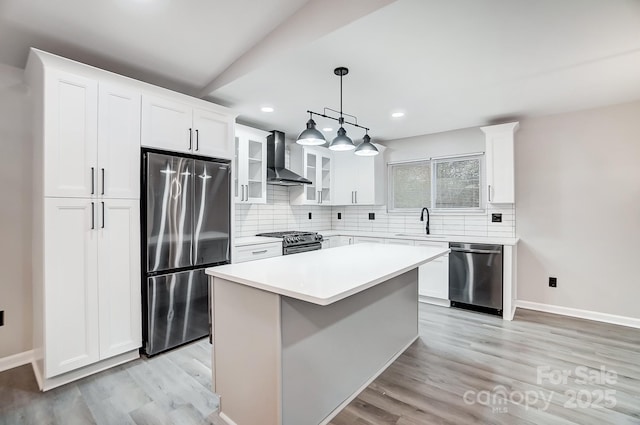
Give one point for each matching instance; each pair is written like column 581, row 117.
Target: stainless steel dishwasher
column 475, row 277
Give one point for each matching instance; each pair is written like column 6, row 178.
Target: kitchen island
column 295, row 338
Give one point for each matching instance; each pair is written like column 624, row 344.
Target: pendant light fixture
column 342, row 142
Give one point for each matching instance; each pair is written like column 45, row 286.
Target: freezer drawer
column 178, row 310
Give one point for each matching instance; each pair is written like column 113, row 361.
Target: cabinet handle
column 246, row 193
column 93, row 216
column 320, row 193
column 102, row 169
column 190, row 138
column 259, row 252
column 197, row 139
column 103, row 214
column 92, row 180
column 241, row 192
column 356, row 195
column 489, row 192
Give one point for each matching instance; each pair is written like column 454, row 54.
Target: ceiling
column 447, row 65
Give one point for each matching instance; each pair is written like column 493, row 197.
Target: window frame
column 481, row 209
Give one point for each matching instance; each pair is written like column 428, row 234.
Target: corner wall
column 15, row 213
column 578, row 209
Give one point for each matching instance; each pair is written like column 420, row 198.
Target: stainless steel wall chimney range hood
column 276, row 173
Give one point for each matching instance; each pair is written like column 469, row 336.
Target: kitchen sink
column 419, row 236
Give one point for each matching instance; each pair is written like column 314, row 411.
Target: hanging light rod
column 338, row 119
column 342, row 142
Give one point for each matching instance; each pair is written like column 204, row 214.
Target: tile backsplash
column 357, row 218
column 277, row 215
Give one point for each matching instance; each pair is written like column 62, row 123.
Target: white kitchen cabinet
column 92, row 133
column 91, row 302
column 118, row 172
column 70, row 299
column 433, row 277
column 499, row 158
column 178, row 126
column 250, row 181
column 119, row 296
column 71, row 131
column 257, row 251
column 326, row 243
column 341, row 241
column 315, row 164
column 358, row 179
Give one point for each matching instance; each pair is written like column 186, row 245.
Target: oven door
column 302, row 248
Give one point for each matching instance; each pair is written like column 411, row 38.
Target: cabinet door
column 433, row 278
column 256, row 168
column 70, row 287
column 365, row 181
column 343, row 173
column 325, row 177
column 311, row 172
column 71, row 132
column 500, row 163
column 213, row 133
column 119, row 276
column 118, row 142
column 166, row 124
column 240, row 170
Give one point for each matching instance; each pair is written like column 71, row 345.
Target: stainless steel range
column 294, row 241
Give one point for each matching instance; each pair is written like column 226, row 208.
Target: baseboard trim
column 16, row 360
column 435, row 301
column 631, row 322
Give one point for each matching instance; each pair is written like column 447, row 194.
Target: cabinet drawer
column 257, row 252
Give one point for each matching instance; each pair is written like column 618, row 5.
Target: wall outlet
column 372, row 216
column 1, row 317
column 339, row 216
column 309, row 216
column 553, row 282
column 496, row 218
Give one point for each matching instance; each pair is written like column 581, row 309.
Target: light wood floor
column 458, row 353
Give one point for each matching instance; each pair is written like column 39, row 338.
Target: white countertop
column 254, row 240
column 329, row 275
column 423, row 237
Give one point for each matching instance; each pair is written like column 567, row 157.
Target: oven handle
column 298, row 249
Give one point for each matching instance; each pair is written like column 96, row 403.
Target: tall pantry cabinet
column 86, row 242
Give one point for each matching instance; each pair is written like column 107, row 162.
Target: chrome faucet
column 422, row 218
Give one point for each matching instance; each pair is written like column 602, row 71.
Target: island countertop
column 325, row 276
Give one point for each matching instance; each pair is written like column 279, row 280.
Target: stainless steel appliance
column 276, row 172
column 294, row 242
column 186, row 212
column 475, row 277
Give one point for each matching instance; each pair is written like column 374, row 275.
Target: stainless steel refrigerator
column 186, row 212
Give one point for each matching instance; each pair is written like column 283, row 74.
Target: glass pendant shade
column 311, row 136
column 366, row 148
column 342, row 142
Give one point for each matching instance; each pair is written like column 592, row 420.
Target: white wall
column 458, row 142
column 15, row 213
column 578, row 209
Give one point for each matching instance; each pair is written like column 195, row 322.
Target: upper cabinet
column 360, row 179
column 316, row 165
column 92, row 133
column 250, row 181
column 179, row 126
column 500, row 163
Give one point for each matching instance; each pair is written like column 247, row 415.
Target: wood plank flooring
column 170, row 388
column 471, row 368
column 466, row 368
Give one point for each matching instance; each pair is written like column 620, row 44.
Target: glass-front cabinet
column 315, row 164
column 250, row 179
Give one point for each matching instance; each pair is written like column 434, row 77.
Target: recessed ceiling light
column 327, row 129
column 266, row 109
column 397, row 114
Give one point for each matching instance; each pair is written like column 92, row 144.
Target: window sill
column 434, row 212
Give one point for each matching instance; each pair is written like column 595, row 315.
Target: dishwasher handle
column 475, row 251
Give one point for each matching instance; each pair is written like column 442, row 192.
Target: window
column 443, row 183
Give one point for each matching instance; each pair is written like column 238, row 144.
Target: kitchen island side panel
column 330, row 352
column 246, row 353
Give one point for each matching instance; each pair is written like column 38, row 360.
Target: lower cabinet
column 91, row 308
column 364, row 239
column 257, row 251
column 433, row 277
